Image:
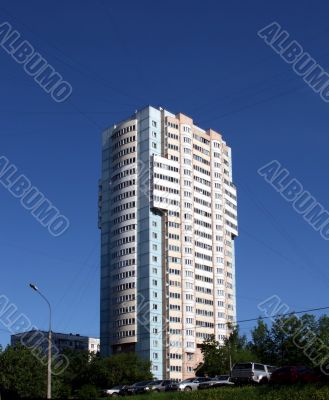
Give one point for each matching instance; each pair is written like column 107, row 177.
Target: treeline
column 288, row 341
column 22, row 375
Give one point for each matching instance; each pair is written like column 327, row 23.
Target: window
column 154, row 145
column 154, row 123
column 154, row 134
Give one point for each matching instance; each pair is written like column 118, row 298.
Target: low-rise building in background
column 61, row 341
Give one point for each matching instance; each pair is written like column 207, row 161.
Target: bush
column 87, row 392
column 307, row 392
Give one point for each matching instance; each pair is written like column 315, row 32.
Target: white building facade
column 168, row 220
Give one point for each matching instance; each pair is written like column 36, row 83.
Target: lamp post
column 229, row 327
column 35, row 288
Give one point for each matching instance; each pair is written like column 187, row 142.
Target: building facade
column 168, row 220
column 60, row 341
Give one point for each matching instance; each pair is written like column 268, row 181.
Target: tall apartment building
column 168, row 220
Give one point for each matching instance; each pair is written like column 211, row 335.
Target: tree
column 214, row 360
column 217, row 359
column 262, row 344
column 323, row 329
column 88, row 370
column 76, row 374
column 237, row 348
column 284, row 332
column 21, row 374
column 126, row 368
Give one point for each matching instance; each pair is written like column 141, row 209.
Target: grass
column 309, row 392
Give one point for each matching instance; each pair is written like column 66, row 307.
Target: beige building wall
column 201, row 238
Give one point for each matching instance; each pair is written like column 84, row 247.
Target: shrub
column 87, row 392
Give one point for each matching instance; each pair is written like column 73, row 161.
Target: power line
column 278, row 315
column 79, row 67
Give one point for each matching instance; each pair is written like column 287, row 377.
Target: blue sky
column 200, row 58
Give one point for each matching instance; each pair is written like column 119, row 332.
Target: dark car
column 171, row 387
column 218, row 381
column 291, row 375
column 136, row 388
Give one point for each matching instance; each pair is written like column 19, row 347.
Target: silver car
column 191, row 384
column 114, row 392
column 165, row 385
column 218, row 381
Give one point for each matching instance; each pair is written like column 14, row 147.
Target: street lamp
column 35, row 288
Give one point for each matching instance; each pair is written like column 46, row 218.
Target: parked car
column 191, row 384
column 114, row 392
column 251, row 372
column 136, row 388
column 219, row 381
column 172, row 387
column 166, row 385
column 291, row 375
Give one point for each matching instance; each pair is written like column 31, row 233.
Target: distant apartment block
column 60, row 341
column 168, row 220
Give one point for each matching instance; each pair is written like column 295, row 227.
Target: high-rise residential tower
column 168, row 220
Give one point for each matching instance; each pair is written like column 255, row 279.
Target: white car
column 114, row 392
column 191, row 384
column 250, row 372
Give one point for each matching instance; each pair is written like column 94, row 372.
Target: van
column 250, row 372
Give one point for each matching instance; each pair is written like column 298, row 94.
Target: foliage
column 237, row 347
column 88, row 370
column 21, row 375
column 219, row 358
column 284, row 343
column 262, row 345
column 87, row 392
column 247, row 393
column 127, row 368
column 214, row 360
column 281, row 344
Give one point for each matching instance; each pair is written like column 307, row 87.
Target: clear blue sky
column 202, row 58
